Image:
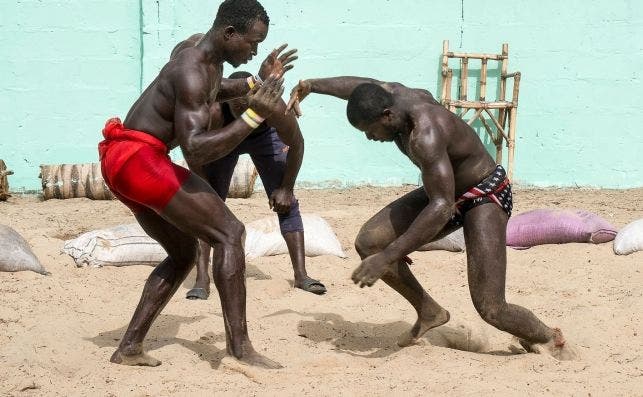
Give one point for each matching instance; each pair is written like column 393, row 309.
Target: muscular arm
column 191, row 119
column 289, row 132
column 340, row 87
column 437, row 176
column 232, row 88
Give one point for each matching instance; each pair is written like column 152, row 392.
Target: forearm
column 232, row 88
column 212, row 145
column 424, row 228
column 293, row 164
column 340, row 87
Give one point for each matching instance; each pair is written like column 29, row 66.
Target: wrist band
column 252, row 118
column 258, row 80
column 251, row 82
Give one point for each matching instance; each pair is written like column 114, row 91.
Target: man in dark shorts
column 173, row 205
column 276, row 148
column 463, row 187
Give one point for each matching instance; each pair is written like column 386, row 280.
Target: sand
column 58, row 332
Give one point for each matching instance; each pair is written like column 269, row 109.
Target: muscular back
column 437, row 129
column 154, row 111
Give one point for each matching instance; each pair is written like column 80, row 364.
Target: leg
column 159, row 288
column 377, row 233
column 485, row 234
column 218, row 174
column 269, row 155
column 198, row 209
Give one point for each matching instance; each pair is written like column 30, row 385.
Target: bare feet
column 557, row 347
column 135, row 359
column 423, row 324
column 249, row 356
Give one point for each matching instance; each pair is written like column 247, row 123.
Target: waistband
column 115, row 131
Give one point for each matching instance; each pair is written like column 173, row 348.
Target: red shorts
column 137, row 169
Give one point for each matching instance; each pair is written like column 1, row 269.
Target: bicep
column 436, row 168
column 191, row 110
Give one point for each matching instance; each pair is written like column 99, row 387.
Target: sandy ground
column 58, row 332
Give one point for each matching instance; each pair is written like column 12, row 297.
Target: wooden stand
column 501, row 113
column 4, row 182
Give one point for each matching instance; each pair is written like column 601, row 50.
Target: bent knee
column 230, row 233
column 490, row 311
column 368, row 243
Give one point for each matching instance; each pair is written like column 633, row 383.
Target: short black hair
column 240, row 74
column 240, row 14
column 366, row 103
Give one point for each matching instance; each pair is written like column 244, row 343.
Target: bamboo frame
column 4, row 182
column 502, row 128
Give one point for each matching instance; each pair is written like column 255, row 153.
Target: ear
column 387, row 115
column 228, row 32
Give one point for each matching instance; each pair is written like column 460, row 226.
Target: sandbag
column 123, row 245
column 263, row 238
column 4, row 182
column 453, row 242
column 629, row 239
column 65, row 181
column 16, row 254
column 243, row 177
column 549, row 226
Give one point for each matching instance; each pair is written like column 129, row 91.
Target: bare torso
column 153, row 112
column 469, row 158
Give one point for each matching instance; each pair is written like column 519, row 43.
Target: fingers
column 294, row 101
column 275, row 53
column 288, row 57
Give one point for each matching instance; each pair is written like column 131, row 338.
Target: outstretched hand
column 276, row 64
column 266, row 99
column 298, row 93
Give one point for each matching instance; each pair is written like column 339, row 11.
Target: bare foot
column 249, row 356
column 257, row 360
column 422, row 325
column 557, row 347
column 136, row 359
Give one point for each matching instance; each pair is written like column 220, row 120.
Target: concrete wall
column 69, row 65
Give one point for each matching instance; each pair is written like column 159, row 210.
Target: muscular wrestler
column 173, row 205
column 463, row 187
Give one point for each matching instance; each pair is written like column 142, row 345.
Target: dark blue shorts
column 268, row 153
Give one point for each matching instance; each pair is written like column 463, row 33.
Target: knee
column 490, row 311
column 367, row 243
column 230, row 233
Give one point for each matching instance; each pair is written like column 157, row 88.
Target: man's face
column 243, row 46
column 378, row 131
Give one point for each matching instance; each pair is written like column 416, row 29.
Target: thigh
column 196, row 209
column 485, row 231
column 178, row 244
column 269, row 153
column 394, row 219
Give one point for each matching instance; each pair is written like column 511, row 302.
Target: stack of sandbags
column 4, row 182
column 65, row 181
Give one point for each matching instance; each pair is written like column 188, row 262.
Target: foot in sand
column 557, row 347
column 135, row 359
column 249, row 356
column 422, row 325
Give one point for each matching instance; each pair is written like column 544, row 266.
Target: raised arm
column 275, row 64
column 191, row 117
column 340, row 87
column 428, row 146
column 289, row 132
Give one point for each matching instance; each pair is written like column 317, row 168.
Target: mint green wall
column 68, row 65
